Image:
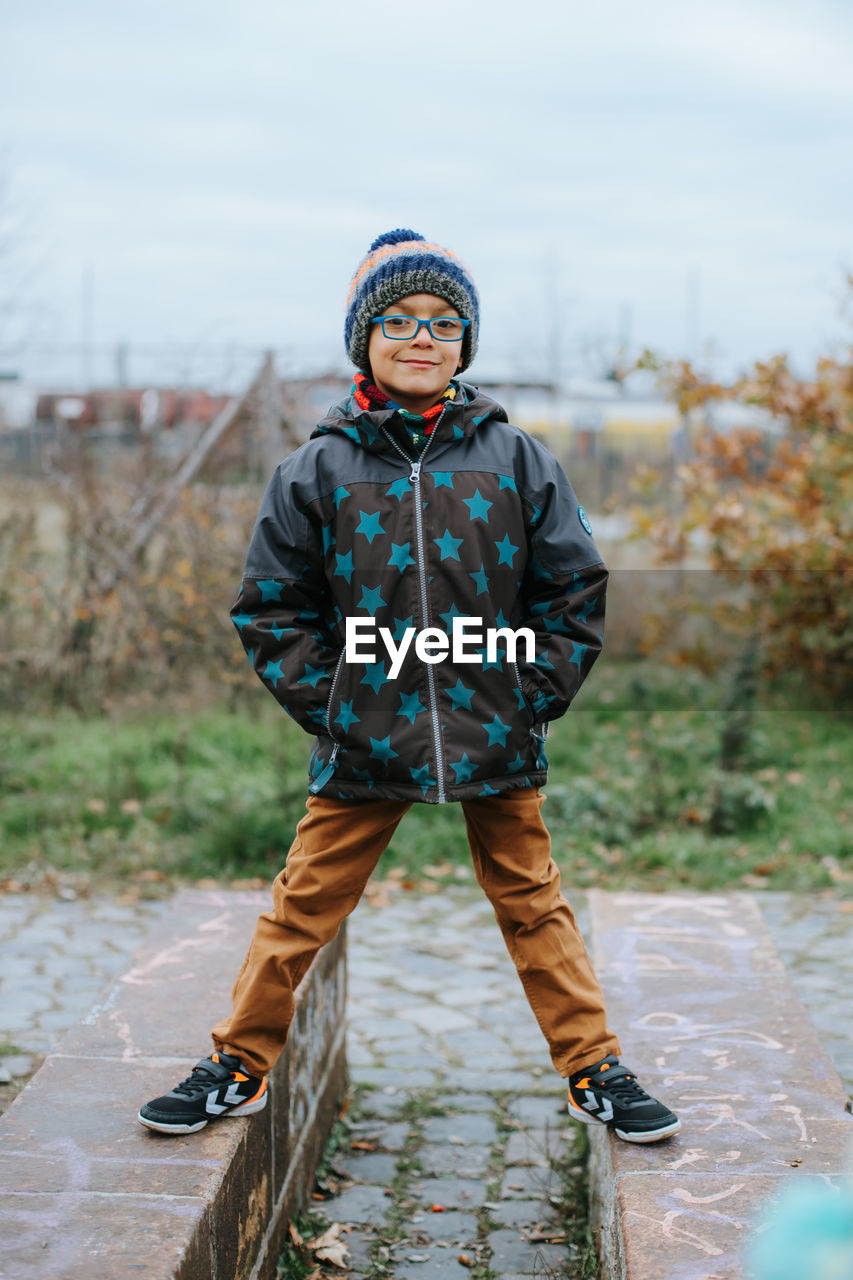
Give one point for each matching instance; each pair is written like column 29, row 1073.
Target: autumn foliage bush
column 159, row 627
column 770, row 515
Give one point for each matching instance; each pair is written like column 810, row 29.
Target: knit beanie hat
column 400, row 263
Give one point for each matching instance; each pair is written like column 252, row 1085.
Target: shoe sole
column 643, row 1136
column 245, row 1109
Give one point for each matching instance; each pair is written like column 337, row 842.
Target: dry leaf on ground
column 329, row 1247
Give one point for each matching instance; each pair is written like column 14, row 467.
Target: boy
column 415, row 504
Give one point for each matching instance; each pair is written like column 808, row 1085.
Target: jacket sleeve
column 562, row 595
column 282, row 613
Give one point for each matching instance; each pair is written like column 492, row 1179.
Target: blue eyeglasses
column 441, row 328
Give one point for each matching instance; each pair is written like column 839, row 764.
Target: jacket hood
column 461, row 418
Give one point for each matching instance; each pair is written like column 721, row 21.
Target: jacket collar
column 460, row 419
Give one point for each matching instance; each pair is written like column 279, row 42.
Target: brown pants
column 338, row 843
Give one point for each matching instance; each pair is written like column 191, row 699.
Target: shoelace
column 625, row 1088
column 197, row 1082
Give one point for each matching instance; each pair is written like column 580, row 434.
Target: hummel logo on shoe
column 216, row 1087
column 608, row 1093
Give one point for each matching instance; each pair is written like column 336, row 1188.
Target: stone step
column 87, row 1193
column 707, row 1017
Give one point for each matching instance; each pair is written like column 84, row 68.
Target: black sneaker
column 608, row 1093
column 217, row 1087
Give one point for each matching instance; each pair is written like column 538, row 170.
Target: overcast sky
column 671, row 173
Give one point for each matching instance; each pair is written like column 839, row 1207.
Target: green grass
column 186, row 794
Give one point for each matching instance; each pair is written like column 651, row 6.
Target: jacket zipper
column 332, row 688
column 517, row 675
column 415, row 476
column 331, row 764
column 536, row 724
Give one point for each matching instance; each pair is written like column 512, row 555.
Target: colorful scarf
column 419, row 425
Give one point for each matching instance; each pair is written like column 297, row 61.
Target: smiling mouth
column 421, row 364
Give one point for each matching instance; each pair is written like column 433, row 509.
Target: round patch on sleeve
column 584, row 519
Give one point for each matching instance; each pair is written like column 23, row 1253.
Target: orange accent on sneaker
column 214, row 1057
column 238, row 1075
column 605, row 1066
column 583, row 1084
column 261, row 1091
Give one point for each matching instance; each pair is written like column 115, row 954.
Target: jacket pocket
column 531, row 715
column 333, row 693
column 327, row 772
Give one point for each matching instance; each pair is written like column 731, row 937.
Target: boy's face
column 414, row 371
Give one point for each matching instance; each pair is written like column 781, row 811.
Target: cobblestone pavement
column 55, row 959
column 465, row 1111
column 459, row 1106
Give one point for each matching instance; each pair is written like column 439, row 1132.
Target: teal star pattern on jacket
column 447, row 618
column 463, row 768
column 345, row 567
column 371, row 600
column 557, row 625
column 507, row 482
column 478, row 506
column 496, row 662
column 401, row 556
column 346, row 717
column 497, row 731
column 270, row 588
column 273, row 673
column 423, row 777
column 481, row 580
column 541, row 702
column 399, row 489
column 312, row 676
column 449, row 546
column 369, row 525
column 242, row 620
column 578, row 653
column 375, row 676
column 443, row 479
column 401, row 625
column 380, row 749
column 506, row 550
column 460, row 696
column 586, row 610
column 339, row 494
column 410, row 706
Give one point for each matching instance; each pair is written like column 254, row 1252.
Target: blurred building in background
column 601, row 430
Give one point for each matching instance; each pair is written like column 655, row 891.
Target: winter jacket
column 483, row 524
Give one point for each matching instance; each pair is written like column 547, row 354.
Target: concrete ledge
column 88, row 1192
column 699, row 997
